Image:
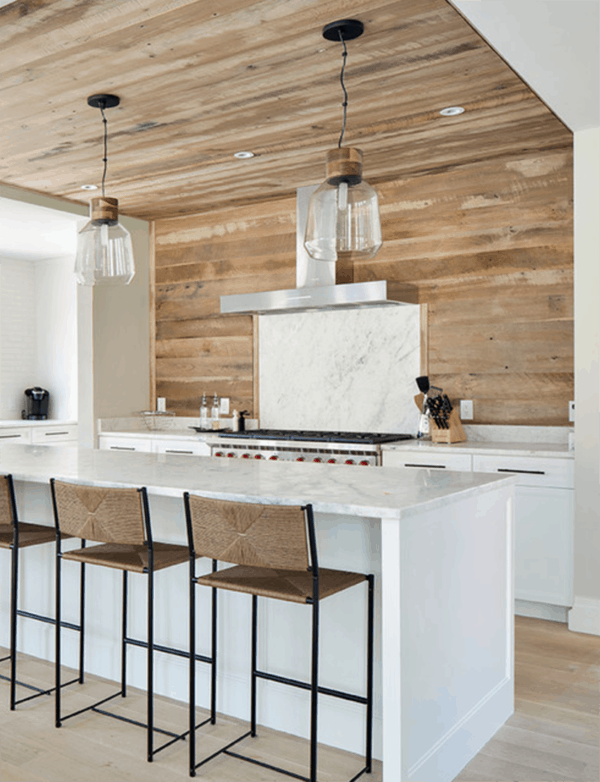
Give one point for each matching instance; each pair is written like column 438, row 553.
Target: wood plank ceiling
column 199, row 81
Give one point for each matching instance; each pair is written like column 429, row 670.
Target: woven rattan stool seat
column 293, row 585
column 130, row 557
column 29, row 534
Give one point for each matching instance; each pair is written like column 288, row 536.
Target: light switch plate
column 224, row 405
column 572, row 410
column 466, row 409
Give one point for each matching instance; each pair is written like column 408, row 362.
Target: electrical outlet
column 224, row 405
column 466, row 409
column 571, row 410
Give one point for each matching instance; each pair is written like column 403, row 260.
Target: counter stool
column 15, row 535
column 267, row 544
column 119, row 519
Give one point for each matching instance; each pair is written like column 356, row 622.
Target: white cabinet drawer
column 18, row 434
column 187, row 446
column 107, row 443
column 530, row 470
column 434, row 461
column 48, row 435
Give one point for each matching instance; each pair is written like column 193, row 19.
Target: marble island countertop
column 384, row 492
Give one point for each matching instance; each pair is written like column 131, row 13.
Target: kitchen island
column 440, row 544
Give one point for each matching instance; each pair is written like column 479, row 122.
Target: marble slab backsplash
column 351, row 370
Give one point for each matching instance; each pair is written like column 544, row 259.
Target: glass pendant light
column 343, row 213
column 104, row 249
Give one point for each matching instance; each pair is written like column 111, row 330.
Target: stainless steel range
column 300, row 446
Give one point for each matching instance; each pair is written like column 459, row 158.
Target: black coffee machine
column 36, row 400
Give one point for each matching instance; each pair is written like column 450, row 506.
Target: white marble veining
column 351, row 370
column 385, row 491
column 540, row 449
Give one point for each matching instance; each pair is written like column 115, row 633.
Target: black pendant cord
column 105, row 158
column 345, row 103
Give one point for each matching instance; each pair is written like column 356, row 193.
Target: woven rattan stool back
column 104, row 515
column 272, row 536
column 6, row 519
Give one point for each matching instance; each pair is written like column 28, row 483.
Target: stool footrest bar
column 91, row 707
column 224, row 749
column 48, row 619
column 267, row 765
column 165, row 649
column 347, row 696
column 140, row 724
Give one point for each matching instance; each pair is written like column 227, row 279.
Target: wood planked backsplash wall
column 489, row 246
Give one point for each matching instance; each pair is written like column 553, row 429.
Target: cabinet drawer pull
column 435, row 466
column 524, row 472
column 122, row 448
column 11, row 436
column 53, row 434
column 172, row 450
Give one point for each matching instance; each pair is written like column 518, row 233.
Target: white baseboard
column 467, row 738
column 552, row 613
column 584, row 617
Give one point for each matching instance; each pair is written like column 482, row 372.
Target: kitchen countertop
column 4, row 424
column 330, row 488
column 546, row 450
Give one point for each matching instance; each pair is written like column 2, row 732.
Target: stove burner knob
column 273, row 458
column 317, row 459
column 300, row 459
column 331, row 461
column 349, row 461
column 231, row 455
column 364, row 463
column 218, row 453
column 245, row 456
column 259, row 456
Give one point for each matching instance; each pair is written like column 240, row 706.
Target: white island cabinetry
column 440, row 546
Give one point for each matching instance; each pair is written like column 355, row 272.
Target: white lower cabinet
column 182, row 446
column 108, row 443
column 544, row 511
column 54, row 435
column 18, row 434
column 145, row 442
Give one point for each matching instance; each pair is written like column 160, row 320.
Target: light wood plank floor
column 554, row 734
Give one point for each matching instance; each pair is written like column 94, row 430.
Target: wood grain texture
column 199, row 82
column 488, row 246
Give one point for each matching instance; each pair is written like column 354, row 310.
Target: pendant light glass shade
column 343, row 213
column 104, row 249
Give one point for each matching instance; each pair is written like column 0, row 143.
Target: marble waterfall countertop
column 383, row 492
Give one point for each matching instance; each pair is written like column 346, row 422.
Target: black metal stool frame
column 256, row 674
column 126, row 641
column 16, row 612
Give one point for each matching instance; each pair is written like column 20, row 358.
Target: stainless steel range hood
column 315, row 282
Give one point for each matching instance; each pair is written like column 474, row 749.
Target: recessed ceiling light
column 243, row 155
column 89, row 187
column 452, row 111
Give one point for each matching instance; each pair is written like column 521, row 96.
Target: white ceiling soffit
column 33, row 233
column 553, row 45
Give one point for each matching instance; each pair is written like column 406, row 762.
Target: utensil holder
column 454, row 434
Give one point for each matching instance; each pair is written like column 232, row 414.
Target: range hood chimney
column 316, row 282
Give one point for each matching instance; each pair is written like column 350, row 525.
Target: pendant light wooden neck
column 104, row 209
column 344, row 164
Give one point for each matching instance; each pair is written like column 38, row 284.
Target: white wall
column 56, row 340
column 585, row 615
column 18, row 369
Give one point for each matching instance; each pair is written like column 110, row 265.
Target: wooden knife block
column 454, row 434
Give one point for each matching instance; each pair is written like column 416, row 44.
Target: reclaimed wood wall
column 489, row 245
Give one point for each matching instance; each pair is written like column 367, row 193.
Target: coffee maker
column 36, row 400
